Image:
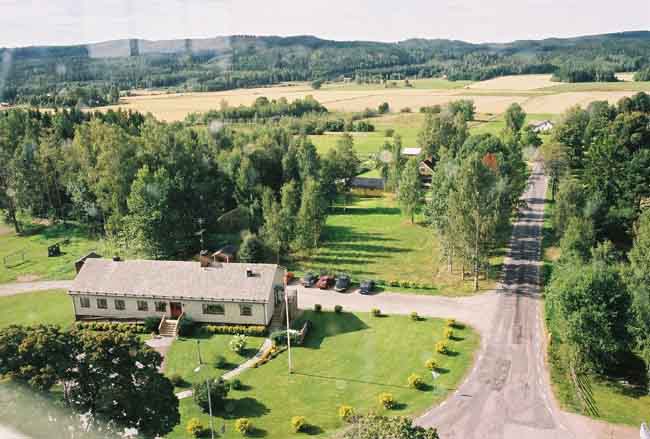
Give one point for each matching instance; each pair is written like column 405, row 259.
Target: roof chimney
column 116, row 258
column 249, row 272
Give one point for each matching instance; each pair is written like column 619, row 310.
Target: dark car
column 342, row 283
column 308, row 280
column 367, row 286
column 325, row 282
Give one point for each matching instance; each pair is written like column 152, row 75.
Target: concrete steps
column 169, row 328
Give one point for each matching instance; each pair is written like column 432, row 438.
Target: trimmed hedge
column 258, row 331
column 112, row 326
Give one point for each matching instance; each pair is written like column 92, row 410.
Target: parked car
column 325, row 282
column 308, row 280
column 342, row 283
column 367, row 286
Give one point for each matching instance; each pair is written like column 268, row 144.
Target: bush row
column 112, row 326
column 408, row 284
column 258, row 331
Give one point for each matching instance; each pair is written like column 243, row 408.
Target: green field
column 371, row 239
column 599, row 86
column 47, row 307
column 348, row 358
column 33, row 244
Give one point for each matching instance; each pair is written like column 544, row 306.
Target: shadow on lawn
column 328, row 324
column 244, row 408
column 350, row 380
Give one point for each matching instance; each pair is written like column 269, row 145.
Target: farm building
column 543, row 126
column 205, row 291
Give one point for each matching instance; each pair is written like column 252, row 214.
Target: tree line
column 150, row 186
column 39, row 74
column 598, row 299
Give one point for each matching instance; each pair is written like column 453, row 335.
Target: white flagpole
column 286, row 305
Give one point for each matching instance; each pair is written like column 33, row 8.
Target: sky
column 62, row 22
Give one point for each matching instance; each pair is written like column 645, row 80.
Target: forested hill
column 220, row 63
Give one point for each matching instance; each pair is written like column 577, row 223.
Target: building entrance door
column 176, row 309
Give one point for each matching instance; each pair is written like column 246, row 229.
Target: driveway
column 26, row 287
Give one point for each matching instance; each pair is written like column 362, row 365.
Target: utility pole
column 207, row 383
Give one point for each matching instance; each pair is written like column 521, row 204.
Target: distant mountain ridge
column 136, row 46
column 94, row 74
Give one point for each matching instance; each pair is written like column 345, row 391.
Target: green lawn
column 348, row 359
column 33, row 243
column 47, row 307
column 182, row 357
column 371, row 238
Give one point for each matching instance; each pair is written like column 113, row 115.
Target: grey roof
column 219, row 282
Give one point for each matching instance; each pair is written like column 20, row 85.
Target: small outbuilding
column 227, row 254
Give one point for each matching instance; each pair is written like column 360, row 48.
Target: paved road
column 507, row 395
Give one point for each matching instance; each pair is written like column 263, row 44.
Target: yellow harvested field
column 172, row 107
column 515, row 83
column 558, row 103
column 493, row 96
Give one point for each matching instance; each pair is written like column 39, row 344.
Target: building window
column 214, row 309
column 84, row 302
column 143, row 305
column 161, row 306
column 120, row 305
column 102, row 304
column 246, row 310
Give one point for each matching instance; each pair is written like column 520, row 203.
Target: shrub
column 255, row 330
column 152, row 323
column 279, row 337
column 390, row 132
column 346, row 412
column 442, row 347
column 451, row 323
column 298, row 423
column 338, row 309
column 218, row 391
column 244, row 426
column 195, row 428
column 405, row 284
column 318, row 307
column 431, row 364
column 415, row 381
column 177, row 380
column 238, row 343
column 236, row 384
column 394, row 283
column 376, row 312
column 220, row 362
column 186, row 327
column 405, row 110
column 449, row 333
column 414, row 316
column 386, row 400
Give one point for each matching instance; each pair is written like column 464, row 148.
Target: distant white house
column 205, row 291
column 543, row 126
column 411, row 152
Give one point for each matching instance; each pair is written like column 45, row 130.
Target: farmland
column 536, row 93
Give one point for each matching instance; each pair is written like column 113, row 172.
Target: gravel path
column 26, row 287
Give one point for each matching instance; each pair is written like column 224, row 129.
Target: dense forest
column 94, row 74
column 598, row 299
